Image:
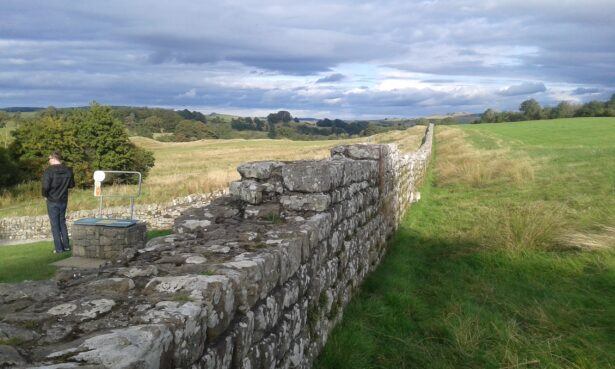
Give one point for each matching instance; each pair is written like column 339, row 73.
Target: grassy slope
column 454, row 293
column 32, row 261
column 200, row 167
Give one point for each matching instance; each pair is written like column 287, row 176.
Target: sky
column 337, row 59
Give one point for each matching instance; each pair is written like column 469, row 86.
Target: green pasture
column 501, row 272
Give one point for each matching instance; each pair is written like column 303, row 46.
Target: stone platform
column 107, row 238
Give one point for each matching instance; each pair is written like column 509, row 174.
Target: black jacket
column 57, row 179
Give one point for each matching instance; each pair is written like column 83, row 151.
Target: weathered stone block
column 307, row 202
column 259, row 169
column 313, row 176
column 247, row 190
column 270, row 211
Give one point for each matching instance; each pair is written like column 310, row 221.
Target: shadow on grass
column 436, row 303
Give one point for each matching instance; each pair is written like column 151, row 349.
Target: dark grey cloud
column 585, row 91
column 454, row 55
column 525, row 88
column 334, row 77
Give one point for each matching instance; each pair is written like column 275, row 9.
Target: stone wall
column 253, row 280
column 156, row 216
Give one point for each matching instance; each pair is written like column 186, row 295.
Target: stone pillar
column 104, row 242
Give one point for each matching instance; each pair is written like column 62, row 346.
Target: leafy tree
column 531, row 109
column 154, row 123
column 4, row 118
column 192, row 115
column 564, row 109
column 281, row 116
column 88, row 139
column 489, row 116
column 610, row 107
column 190, row 130
column 260, row 125
column 10, row 173
column 272, row 131
column 592, row 109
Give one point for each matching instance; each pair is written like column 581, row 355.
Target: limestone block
column 247, row 190
column 259, row 169
column 243, row 333
column 112, row 286
column 307, row 202
column 10, row 357
column 133, row 347
column 313, row 176
column 269, row 211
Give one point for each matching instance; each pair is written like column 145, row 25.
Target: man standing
column 57, row 179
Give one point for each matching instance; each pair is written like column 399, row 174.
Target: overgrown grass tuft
column 461, row 163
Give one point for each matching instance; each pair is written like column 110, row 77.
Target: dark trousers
column 57, row 218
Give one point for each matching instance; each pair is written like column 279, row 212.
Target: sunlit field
column 199, row 167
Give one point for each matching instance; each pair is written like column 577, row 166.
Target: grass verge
column 32, row 261
column 478, row 277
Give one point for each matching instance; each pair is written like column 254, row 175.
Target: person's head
column 55, row 158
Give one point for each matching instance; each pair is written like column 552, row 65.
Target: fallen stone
column 9, row 357
column 195, row 260
column 14, row 333
column 143, row 346
column 114, row 286
column 35, row 291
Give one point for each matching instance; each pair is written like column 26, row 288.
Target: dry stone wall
column 156, row 216
column 257, row 279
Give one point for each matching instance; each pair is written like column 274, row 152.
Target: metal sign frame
column 98, row 191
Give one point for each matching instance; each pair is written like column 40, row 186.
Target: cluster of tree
column 88, row 139
column 531, row 110
column 192, row 115
column 338, row 126
column 192, row 130
column 282, row 124
column 249, row 124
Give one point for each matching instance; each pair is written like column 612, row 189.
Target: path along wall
column 257, row 279
column 156, row 216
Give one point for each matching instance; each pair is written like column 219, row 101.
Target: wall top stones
column 156, row 216
column 254, row 279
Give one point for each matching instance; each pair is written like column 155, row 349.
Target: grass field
column 32, row 261
column 507, row 261
column 199, row 167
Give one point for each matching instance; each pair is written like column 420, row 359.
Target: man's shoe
column 56, row 251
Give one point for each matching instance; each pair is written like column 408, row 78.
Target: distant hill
column 459, row 117
column 21, row 109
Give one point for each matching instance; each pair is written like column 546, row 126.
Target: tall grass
column 461, row 163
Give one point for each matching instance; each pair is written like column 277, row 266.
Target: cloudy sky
column 349, row 59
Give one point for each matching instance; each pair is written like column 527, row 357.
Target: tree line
column 531, row 110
